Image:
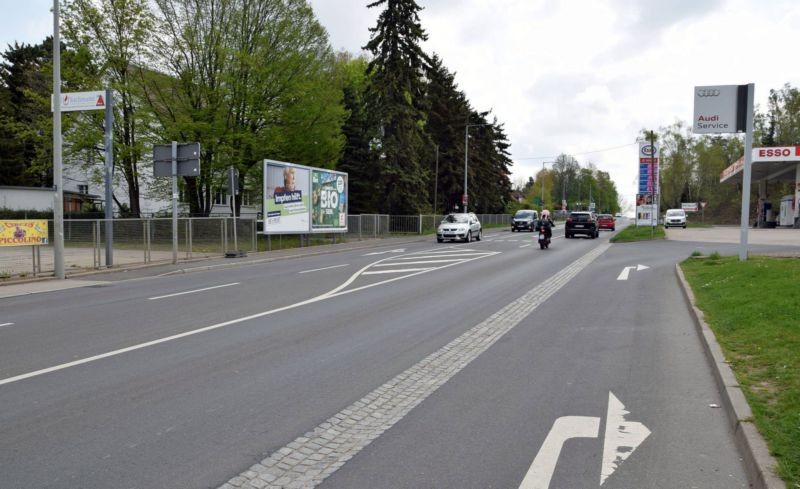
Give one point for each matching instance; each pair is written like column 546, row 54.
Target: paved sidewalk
column 730, row 234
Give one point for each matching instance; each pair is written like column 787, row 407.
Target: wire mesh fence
column 149, row 240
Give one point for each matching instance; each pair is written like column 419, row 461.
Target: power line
column 577, row 154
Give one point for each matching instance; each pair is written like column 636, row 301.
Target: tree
column 396, row 95
column 114, row 33
column 248, row 79
column 25, row 117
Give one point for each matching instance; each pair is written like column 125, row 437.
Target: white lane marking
column 513, row 240
column 525, row 246
column 191, row 291
column 329, row 445
column 622, row 437
column 326, row 268
column 399, row 250
column 564, row 428
column 404, row 270
column 328, row 295
column 449, row 255
column 627, row 270
column 6, row 324
column 423, row 262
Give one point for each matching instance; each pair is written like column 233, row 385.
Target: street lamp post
column 542, row 178
column 465, row 199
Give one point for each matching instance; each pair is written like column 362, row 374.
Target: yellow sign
column 23, row 233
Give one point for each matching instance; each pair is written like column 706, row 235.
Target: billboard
column 328, row 201
column 287, row 203
column 23, row 232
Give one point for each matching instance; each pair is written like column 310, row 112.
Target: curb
column 759, row 464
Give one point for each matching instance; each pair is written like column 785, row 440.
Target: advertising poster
column 286, row 198
column 23, row 232
column 328, row 201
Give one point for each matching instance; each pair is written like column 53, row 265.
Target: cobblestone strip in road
column 308, row 460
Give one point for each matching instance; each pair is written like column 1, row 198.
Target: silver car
column 461, row 226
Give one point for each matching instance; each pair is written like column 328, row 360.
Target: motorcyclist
column 546, row 223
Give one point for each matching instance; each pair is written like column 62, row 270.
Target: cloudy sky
column 580, row 77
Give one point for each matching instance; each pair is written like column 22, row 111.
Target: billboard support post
column 58, row 204
column 174, row 202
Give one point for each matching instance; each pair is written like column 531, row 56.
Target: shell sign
column 23, row 232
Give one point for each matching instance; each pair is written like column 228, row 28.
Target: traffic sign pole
column 58, row 204
column 748, row 165
column 109, row 172
column 174, row 202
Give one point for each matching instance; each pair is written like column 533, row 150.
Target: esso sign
column 785, row 153
column 329, row 199
column 648, row 150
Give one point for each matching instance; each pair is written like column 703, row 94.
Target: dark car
column 524, row 219
column 606, row 221
column 581, row 223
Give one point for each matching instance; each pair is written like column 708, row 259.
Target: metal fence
column 149, row 240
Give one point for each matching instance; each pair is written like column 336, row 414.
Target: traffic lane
column 79, row 323
column 199, row 410
column 594, row 337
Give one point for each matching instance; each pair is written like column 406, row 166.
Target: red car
column 606, row 221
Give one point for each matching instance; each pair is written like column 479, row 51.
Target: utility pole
column 436, row 185
column 58, row 204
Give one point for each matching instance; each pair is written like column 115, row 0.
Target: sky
column 581, row 77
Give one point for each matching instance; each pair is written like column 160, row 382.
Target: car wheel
column 439, row 240
column 480, row 235
column 513, row 229
column 468, row 237
column 613, row 229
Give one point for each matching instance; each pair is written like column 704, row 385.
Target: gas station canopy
column 777, row 163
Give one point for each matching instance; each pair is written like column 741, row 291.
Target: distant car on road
column 581, row 222
column 675, row 218
column 524, row 219
column 606, row 221
column 459, row 226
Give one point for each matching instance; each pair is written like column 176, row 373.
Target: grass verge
column 641, row 233
column 753, row 307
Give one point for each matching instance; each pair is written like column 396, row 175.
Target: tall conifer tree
column 396, row 95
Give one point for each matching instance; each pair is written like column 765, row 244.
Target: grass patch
column 753, row 307
column 641, row 233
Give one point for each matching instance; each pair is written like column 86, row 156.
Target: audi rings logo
column 708, row 92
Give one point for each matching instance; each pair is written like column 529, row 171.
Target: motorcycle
column 544, row 239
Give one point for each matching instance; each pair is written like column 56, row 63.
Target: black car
column 582, row 223
column 524, row 219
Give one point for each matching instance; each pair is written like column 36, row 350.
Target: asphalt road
column 471, row 352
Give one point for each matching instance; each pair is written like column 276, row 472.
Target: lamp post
column 542, row 178
column 465, row 198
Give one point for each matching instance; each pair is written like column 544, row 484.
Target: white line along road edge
column 309, row 459
column 192, row 291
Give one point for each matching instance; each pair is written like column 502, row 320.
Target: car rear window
column 523, row 214
column 580, row 216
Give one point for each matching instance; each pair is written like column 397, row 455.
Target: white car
column 461, row 226
column 675, row 218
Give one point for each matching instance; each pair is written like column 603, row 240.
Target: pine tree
column 396, row 96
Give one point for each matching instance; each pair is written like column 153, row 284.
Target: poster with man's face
column 286, row 198
column 328, row 200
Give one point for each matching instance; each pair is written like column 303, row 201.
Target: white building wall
column 27, row 198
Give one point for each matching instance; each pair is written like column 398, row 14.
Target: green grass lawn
column 641, row 233
column 753, row 307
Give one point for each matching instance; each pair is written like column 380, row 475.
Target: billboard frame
column 324, row 229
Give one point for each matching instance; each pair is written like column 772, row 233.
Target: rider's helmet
column 545, row 214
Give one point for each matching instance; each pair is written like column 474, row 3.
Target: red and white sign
column 779, row 153
column 82, row 101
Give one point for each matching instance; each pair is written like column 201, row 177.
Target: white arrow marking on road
column 622, row 437
column 401, row 250
column 625, row 271
column 565, row 428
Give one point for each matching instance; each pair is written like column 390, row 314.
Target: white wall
column 27, row 198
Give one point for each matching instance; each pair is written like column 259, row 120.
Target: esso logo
column 329, row 199
column 774, row 152
column 648, row 150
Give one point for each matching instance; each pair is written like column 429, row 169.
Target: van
column 675, row 218
column 524, row 219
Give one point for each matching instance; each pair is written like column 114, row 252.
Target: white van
column 675, row 218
